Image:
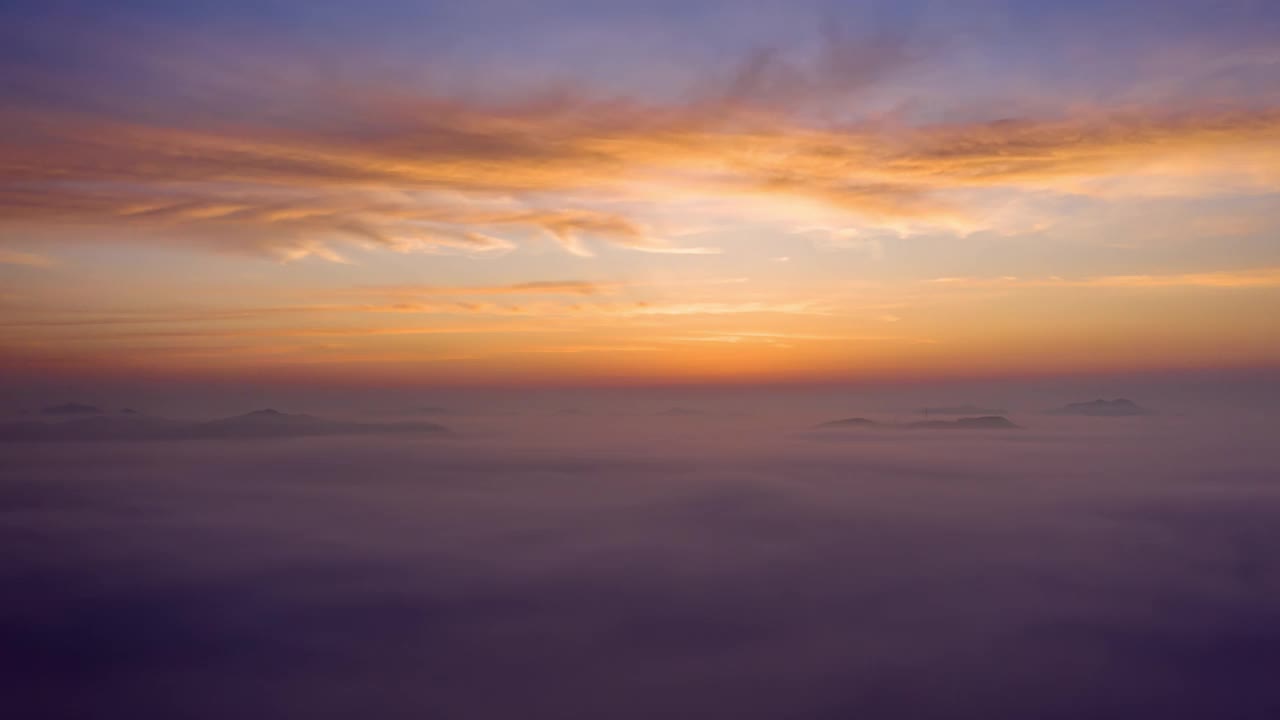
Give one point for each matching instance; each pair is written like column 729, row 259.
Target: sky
column 671, row 359
column 564, row 192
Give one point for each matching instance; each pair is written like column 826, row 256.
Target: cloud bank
column 311, row 168
column 1060, row 571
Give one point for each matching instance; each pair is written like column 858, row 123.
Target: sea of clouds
column 579, row 564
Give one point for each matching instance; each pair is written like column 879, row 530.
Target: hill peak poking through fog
column 258, row 424
column 855, row 422
column 268, row 416
column 987, row 422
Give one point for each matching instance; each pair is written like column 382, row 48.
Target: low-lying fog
column 692, row 563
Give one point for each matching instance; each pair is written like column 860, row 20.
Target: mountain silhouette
column 986, row 422
column 855, row 422
column 258, row 424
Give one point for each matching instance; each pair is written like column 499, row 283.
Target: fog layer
column 679, row 565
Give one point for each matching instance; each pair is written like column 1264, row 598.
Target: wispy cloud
column 777, row 337
column 1254, row 278
column 13, row 257
column 536, row 287
column 417, row 171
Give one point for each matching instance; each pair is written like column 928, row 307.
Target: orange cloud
column 1254, row 278
column 12, row 257
column 441, row 174
column 536, row 287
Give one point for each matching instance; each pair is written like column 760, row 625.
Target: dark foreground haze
column 721, row 561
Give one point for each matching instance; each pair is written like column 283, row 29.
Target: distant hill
column 967, row 410
column 262, row 423
column 857, row 422
column 254, row 425
column 988, row 422
column 1119, row 407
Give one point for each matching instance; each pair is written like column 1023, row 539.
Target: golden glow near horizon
column 383, row 232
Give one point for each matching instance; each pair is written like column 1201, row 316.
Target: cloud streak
column 13, row 257
column 534, row 287
column 422, row 171
column 1238, row 279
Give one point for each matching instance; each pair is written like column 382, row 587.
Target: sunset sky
column 581, row 192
